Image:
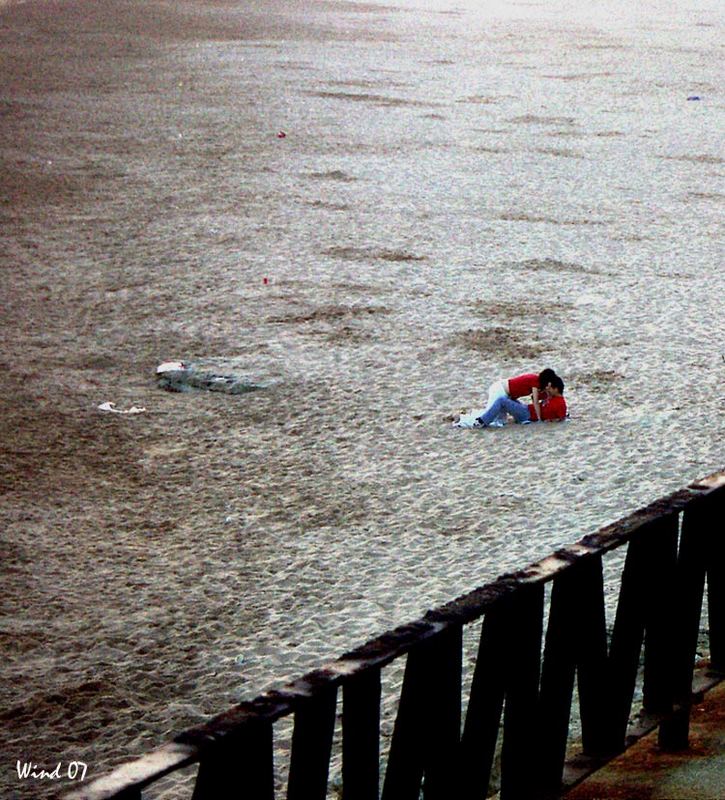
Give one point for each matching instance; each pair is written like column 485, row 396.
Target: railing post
column 691, row 567
column 627, row 640
column 507, row 666
column 576, row 641
column 311, row 746
column 129, row 794
column 427, row 728
column 485, row 704
column 592, row 657
column 519, row 763
column 243, row 765
column 443, row 745
column 716, row 580
column 660, row 585
column 361, row 736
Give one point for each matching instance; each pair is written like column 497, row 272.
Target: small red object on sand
column 281, row 135
column 265, row 281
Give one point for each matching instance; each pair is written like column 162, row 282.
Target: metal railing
column 523, row 674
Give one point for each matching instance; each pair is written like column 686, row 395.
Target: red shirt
column 521, row 385
column 551, row 408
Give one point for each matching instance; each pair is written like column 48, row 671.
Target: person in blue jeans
column 553, row 407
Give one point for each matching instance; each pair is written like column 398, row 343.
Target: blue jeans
column 505, row 405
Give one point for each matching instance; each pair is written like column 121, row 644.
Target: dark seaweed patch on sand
column 580, row 76
column 368, row 84
column 365, row 254
column 533, row 119
column 699, row 159
column 603, row 47
column 478, row 99
column 498, row 341
column 484, row 149
column 716, row 196
column 559, row 152
column 373, row 99
column 328, row 206
column 331, row 175
column 514, row 310
column 362, row 8
column 582, row 135
column 549, row 264
column 330, row 313
column 566, row 134
column 677, row 276
column 348, row 334
column 361, row 288
column 299, row 66
column 600, row 380
column 522, row 216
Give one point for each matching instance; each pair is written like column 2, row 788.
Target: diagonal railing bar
column 659, row 608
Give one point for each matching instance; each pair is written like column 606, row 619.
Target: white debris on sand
column 111, row 407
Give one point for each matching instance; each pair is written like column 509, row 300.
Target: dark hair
column 557, row 383
column 546, row 376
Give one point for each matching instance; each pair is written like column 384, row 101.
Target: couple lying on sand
column 547, row 393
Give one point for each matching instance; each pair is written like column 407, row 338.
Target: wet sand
column 461, row 195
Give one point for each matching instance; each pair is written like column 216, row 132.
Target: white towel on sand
column 112, row 408
column 170, row 366
column 467, row 420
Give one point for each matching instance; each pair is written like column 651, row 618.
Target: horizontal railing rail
column 532, row 652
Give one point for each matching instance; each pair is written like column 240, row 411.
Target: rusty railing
column 523, row 673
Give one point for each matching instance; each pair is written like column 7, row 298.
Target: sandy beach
column 464, row 191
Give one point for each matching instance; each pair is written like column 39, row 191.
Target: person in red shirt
column 514, row 388
column 551, row 408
